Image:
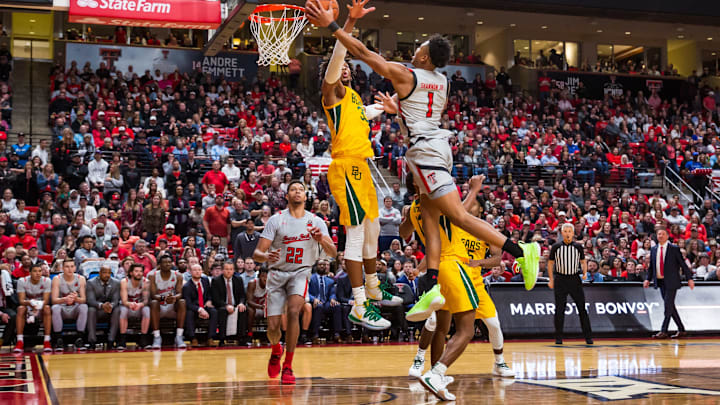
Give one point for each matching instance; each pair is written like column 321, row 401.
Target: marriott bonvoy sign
column 196, row 14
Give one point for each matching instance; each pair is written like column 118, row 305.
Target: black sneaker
column 589, row 341
column 80, row 344
column 121, row 343
column 558, row 341
column 59, row 345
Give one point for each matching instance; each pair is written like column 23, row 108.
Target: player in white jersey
column 134, row 295
column 34, row 302
column 69, row 303
column 422, row 94
column 291, row 244
column 257, row 297
column 166, row 295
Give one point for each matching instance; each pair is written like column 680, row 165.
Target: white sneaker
column 157, row 342
column 380, row 295
column 368, row 316
column 180, row 342
column 437, row 384
column 416, row 370
column 449, row 380
column 502, row 370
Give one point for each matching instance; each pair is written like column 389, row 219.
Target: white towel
column 232, row 321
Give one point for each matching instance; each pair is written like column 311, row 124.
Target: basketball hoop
column 274, row 27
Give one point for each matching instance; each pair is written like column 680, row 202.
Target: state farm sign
column 125, row 5
column 197, row 14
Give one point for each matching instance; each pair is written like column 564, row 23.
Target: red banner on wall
column 195, row 14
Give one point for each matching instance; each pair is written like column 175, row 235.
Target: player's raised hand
column 274, row 256
column 477, row 181
column 317, row 12
column 358, row 10
column 387, row 101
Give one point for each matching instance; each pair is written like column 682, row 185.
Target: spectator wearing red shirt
column 285, row 145
column 250, row 186
column 216, row 177
column 120, row 252
column 544, row 83
column 142, row 256
column 173, row 241
column 217, row 221
column 265, row 171
column 22, row 237
column 33, row 227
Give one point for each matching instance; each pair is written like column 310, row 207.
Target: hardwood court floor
column 622, row 371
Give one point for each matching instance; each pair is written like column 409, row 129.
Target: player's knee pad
column 372, row 234
column 431, row 323
column 354, row 242
column 494, row 332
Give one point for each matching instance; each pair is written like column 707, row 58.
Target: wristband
column 333, row 27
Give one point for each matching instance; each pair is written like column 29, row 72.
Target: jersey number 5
column 431, row 95
column 294, row 255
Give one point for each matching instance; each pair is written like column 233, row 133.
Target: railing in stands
column 377, row 175
column 520, row 173
column 673, row 178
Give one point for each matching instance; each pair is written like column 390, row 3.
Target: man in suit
column 103, row 299
column 196, row 293
column 343, row 293
column 666, row 261
column 324, row 301
column 228, row 296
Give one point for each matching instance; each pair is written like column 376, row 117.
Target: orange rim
column 265, row 8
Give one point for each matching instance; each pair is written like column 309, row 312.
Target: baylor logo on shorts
column 357, row 175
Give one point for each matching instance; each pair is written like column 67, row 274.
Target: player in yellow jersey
column 462, row 258
column 351, row 181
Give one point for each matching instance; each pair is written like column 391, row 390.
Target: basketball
column 324, row 4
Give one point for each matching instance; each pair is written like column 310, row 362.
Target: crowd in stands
column 155, row 181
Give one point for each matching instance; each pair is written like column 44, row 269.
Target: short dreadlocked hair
column 440, row 50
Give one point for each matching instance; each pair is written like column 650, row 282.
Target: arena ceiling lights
column 195, row 14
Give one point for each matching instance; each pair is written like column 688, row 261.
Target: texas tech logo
column 431, row 178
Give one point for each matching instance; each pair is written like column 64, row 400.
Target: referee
column 570, row 258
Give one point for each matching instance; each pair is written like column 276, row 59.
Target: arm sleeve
column 334, row 69
column 373, row 111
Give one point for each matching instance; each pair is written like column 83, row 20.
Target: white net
column 274, row 30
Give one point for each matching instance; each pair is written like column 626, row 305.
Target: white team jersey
column 135, row 293
column 422, row 109
column 298, row 250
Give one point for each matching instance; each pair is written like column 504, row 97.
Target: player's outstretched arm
column 331, row 81
column 384, row 102
column 401, row 77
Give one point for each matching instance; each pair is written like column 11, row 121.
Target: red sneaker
column 287, row 376
column 274, row 365
column 19, row 347
column 47, row 347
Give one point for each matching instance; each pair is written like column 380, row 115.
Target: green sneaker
column 380, row 295
column 368, row 316
column 431, row 301
column 529, row 264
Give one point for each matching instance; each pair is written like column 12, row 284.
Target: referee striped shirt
column 567, row 257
